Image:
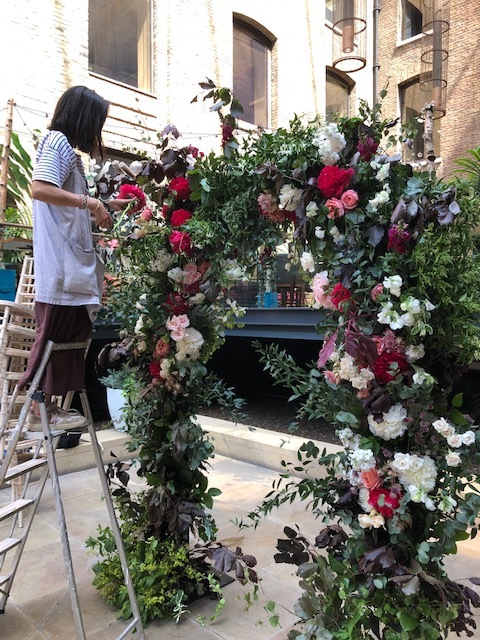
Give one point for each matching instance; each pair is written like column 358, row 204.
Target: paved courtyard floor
column 39, row 607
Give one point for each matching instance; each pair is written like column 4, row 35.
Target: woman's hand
column 100, row 214
column 117, row 204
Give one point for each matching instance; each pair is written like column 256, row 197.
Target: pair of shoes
column 57, row 418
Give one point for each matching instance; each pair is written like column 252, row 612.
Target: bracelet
column 97, row 206
column 83, row 201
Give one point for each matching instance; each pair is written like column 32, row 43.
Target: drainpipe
column 376, row 64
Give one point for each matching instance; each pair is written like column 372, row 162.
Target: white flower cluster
column 188, row 347
column 163, row 261
column 414, row 352
column 382, row 197
column 307, row 261
column 348, row 438
column 392, row 425
column 422, row 377
column 362, row 460
column 417, row 474
column 289, row 197
column 454, row 440
column 233, row 270
column 415, row 312
column 345, row 368
column 382, row 169
column 330, row 142
column 338, row 238
column 371, row 520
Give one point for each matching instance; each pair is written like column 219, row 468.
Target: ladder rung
column 24, row 467
column 8, row 544
column 20, row 353
column 15, row 507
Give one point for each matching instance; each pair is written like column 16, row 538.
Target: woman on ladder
column 68, row 273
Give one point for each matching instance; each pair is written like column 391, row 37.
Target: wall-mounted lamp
column 434, row 59
column 349, row 35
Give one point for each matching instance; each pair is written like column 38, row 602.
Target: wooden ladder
column 43, row 459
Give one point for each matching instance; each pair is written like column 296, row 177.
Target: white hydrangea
column 362, row 460
column 348, row 438
column 163, row 261
column 289, row 197
column 392, row 425
column 414, row 470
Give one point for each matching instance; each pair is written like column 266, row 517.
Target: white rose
column 443, row 427
column 455, row 440
column 378, row 521
column 365, row 521
column 468, row 438
column 453, row 459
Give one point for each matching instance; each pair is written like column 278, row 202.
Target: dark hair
column 80, row 114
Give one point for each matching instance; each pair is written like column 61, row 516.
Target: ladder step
column 15, row 507
column 8, row 544
column 24, row 467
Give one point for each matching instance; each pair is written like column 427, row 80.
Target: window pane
column 337, row 97
column 119, row 41
column 329, row 10
column 413, row 99
column 411, row 20
column 250, row 76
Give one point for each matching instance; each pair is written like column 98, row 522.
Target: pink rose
column 349, row 199
column 371, row 479
column 335, row 208
column 376, row 292
column 146, row 214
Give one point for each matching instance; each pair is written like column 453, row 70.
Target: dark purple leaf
column 375, row 235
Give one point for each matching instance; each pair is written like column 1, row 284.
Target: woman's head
column 80, row 114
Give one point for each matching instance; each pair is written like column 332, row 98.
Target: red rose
column 384, row 501
column 154, row 368
column 181, row 187
column 180, row 242
column 333, row 181
column 132, row 192
column 179, row 217
column 381, row 368
column 339, row 295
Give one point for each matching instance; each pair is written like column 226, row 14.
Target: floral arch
column 392, row 255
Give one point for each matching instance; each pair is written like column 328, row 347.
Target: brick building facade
column 48, row 47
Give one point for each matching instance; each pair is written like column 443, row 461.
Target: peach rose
column 371, row 479
column 335, row 208
column 349, row 199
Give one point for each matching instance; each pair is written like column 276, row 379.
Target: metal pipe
column 376, row 64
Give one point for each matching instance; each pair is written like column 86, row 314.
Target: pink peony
column 349, row 199
column 333, row 181
column 335, row 208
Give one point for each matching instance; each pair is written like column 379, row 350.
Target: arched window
column 337, row 94
column 252, row 72
column 119, row 42
column 411, row 18
column 412, row 101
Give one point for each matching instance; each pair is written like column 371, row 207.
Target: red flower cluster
column 179, row 217
column 154, row 368
column 381, row 368
column 180, row 242
column 333, row 181
column 176, row 304
column 132, row 192
column 384, row 501
column 339, row 295
column 367, row 147
column 398, row 238
column 181, row 187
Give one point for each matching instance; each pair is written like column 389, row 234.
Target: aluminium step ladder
column 43, row 459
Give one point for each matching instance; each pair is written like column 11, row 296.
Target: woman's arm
column 49, row 193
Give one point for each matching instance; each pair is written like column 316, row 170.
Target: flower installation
column 391, row 256
column 171, row 263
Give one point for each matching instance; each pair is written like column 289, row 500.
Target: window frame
column 402, row 26
column 341, row 79
column 145, row 57
column 267, row 40
column 416, row 160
